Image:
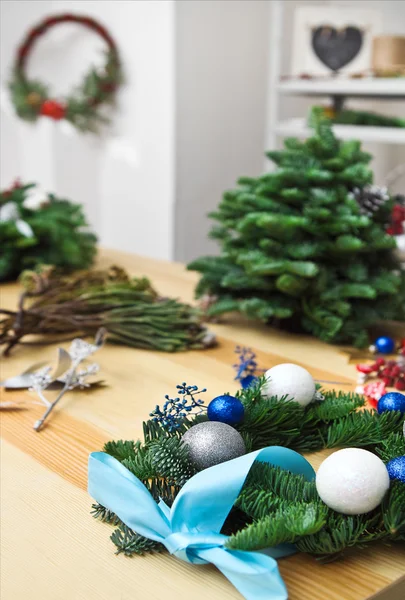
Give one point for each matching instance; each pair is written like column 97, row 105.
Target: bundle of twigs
column 58, row 308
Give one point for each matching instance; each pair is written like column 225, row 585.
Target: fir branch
column 282, row 526
column 267, row 486
column 363, row 428
column 120, row 449
column 129, row 543
column 336, row 405
column 104, row 514
column 141, row 463
column 393, row 511
column 392, row 446
column 342, row 532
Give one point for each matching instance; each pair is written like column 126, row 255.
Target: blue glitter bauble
column 384, row 345
column 396, row 468
column 391, row 401
column 226, row 409
column 248, row 381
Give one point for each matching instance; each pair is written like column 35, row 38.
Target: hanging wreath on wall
column 32, row 98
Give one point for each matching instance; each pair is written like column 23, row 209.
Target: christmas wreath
column 32, row 98
column 38, row 228
column 224, row 485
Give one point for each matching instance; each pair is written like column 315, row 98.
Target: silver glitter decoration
column 212, row 442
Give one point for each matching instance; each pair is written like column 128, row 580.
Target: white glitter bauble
column 212, row 442
column 290, row 380
column 352, row 481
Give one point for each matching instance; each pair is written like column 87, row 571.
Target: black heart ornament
column 336, row 47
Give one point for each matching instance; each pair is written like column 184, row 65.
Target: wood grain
column 51, row 547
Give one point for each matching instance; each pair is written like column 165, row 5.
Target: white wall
column 222, row 66
column 126, row 178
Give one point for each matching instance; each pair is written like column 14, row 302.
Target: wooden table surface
column 52, row 549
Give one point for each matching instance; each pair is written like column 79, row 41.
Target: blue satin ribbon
column 190, row 529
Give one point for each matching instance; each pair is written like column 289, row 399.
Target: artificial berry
column 365, row 368
column 396, row 371
column 53, row 109
column 400, row 385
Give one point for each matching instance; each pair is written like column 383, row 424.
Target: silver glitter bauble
column 212, row 442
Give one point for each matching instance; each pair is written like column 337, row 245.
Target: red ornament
column 365, row 368
column 400, row 384
column 53, row 109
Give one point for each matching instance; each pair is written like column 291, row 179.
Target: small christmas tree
column 297, row 247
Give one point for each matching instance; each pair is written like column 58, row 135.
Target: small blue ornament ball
column 247, row 381
column 391, row 401
column 384, row 345
column 226, row 409
column 396, row 468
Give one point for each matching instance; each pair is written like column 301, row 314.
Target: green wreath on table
column 39, row 228
column 32, row 98
column 274, row 506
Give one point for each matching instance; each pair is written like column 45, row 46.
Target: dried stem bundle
column 58, row 308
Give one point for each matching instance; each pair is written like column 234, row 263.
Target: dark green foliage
column 296, row 248
column 392, row 446
column 104, row 514
column 359, row 117
column 59, row 236
column 276, row 421
column 129, row 542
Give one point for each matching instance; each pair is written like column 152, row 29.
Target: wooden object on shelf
column 51, row 545
column 388, row 55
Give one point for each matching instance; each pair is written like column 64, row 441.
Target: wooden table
column 51, row 547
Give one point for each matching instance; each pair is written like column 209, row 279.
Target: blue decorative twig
column 247, row 370
column 174, row 410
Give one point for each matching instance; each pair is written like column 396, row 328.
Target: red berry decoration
column 76, row 106
column 53, row 109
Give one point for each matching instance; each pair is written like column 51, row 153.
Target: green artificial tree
column 38, row 228
column 298, row 248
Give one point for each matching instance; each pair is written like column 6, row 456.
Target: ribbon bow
column 190, row 529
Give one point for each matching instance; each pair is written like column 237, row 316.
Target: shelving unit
column 337, row 89
column 369, row 87
column 383, row 135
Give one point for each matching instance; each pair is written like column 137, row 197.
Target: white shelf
column 385, row 135
column 366, row 87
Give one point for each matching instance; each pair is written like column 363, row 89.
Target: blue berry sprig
column 247, row 370
column 175, row 410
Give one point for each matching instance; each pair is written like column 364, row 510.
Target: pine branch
column 336, row 405
column 129, row 543
column 284, row 525
column 392, row 446
column 393, row 511
column 104, row 514
column 363, row 429
column 266, row 487
column 341, row 533
column 120, row 449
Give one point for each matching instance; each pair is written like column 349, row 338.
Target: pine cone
column 370, row 198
